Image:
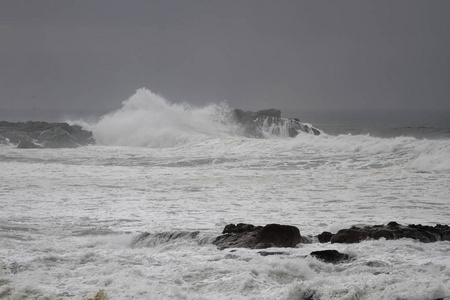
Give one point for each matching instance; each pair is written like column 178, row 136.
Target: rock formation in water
column 274, row 235
column 44, row 135
column 391, row 231
column 258, row 237
column 266, row 122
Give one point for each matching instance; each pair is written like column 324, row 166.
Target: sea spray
column 148, row 120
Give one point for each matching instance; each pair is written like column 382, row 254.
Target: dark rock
column 330, row 256
column 391, row 231
column 49, row 135
column 349, row 236
column 239, row 228
column 257, row 237
column 325, row 237
column 383, row 233
column 279, row 235
column 269, row 122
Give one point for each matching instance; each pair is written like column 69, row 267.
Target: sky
column 293, row 55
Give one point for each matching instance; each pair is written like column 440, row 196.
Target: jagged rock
column 330, row 256
column 49, row 135
column 391, row 231
column 269, row 122
column 258, row 237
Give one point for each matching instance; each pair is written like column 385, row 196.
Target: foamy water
column 70, row 219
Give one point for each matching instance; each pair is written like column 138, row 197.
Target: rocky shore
column 33, row 134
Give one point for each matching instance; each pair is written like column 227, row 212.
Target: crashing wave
column 148, row 120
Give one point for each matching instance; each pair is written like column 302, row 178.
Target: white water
column 69, row 218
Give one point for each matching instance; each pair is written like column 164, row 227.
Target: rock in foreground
column 391, row 231
column 44, row 135
column 258, row 237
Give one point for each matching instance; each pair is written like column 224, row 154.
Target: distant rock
column 27, row 145
column 330, row 256
column 44, row 135
column 391, row 231
column 258, row 237
column 268, row 122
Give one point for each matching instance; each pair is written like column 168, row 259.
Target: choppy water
column 70, row 219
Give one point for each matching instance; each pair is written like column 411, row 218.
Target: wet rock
column 257, row 237
column 50, row 135
column 391, row 231
column 330, row 256
column 349, row 236
column 325, row 237
column 239, row 228
column 269, row 122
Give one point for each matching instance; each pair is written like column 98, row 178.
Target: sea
column 134, row 216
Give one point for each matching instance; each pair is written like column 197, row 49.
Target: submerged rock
column 258, row 237
column 266, row 122
column 391, row 231
column 44, row 135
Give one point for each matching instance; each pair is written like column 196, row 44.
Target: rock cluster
column 275, row 235
column 269, row 121
column 44, row 135
column 391, row 231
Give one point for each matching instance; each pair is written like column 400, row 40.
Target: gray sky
column 291, row 55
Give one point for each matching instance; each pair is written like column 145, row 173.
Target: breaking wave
column 148, row 120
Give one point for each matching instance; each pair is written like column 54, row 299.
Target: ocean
column 72, row 220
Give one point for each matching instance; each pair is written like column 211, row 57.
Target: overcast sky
column 255, row 54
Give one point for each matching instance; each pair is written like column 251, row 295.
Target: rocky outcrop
column 44, row 135
column 268, row 122
column 391, row 231
column 258, row 237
